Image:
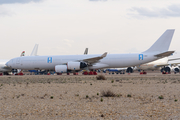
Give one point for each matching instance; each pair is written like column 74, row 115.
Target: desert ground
column 119, row 97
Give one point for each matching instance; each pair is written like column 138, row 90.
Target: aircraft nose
column 8, row 63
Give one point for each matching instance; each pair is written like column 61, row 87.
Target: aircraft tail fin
column 163, row 43
column 86, row 51
column 23, row 53
column 35, row 49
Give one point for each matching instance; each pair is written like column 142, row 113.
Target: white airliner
column 155, row 65
column 161, row 63
column 67, row 63
column 5, row 69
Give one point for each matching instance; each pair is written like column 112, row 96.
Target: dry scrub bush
column 100, row 77
column 161, row 97
column 107, row 93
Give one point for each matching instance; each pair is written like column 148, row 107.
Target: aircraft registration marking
column 49, row 60
column 140, row 56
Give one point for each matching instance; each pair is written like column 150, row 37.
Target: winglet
column 104, row 55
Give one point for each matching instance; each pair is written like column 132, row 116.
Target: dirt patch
column 79, row 97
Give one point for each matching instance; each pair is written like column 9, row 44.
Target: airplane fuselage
column 110, row 61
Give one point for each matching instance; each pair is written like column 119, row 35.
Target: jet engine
column 129, row 70
column 176, row 69
column 167, row 69
column 70, row 66
column 61, row 68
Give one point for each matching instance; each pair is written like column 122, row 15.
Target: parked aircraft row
column 75, row 63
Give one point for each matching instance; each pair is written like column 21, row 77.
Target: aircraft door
column 18, row 61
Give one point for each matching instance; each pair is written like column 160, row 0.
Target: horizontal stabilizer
column 165, row 54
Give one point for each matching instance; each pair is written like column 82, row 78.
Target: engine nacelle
column 61, row 68
column 76, row 65
column 176, row 69
column 129, row 70
column 70, row 66
column 167, row 69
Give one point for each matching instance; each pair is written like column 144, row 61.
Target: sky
column 66, row 27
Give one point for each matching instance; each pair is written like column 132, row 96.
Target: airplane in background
column 5, row 69
column 69, row 63
column 35, row 49
column 86, row 51
column 161, row 64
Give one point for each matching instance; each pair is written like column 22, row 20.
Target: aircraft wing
column 161, row 65
column 172, row 64
column 94, row 59
column 165, row 54
column 173, row 59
